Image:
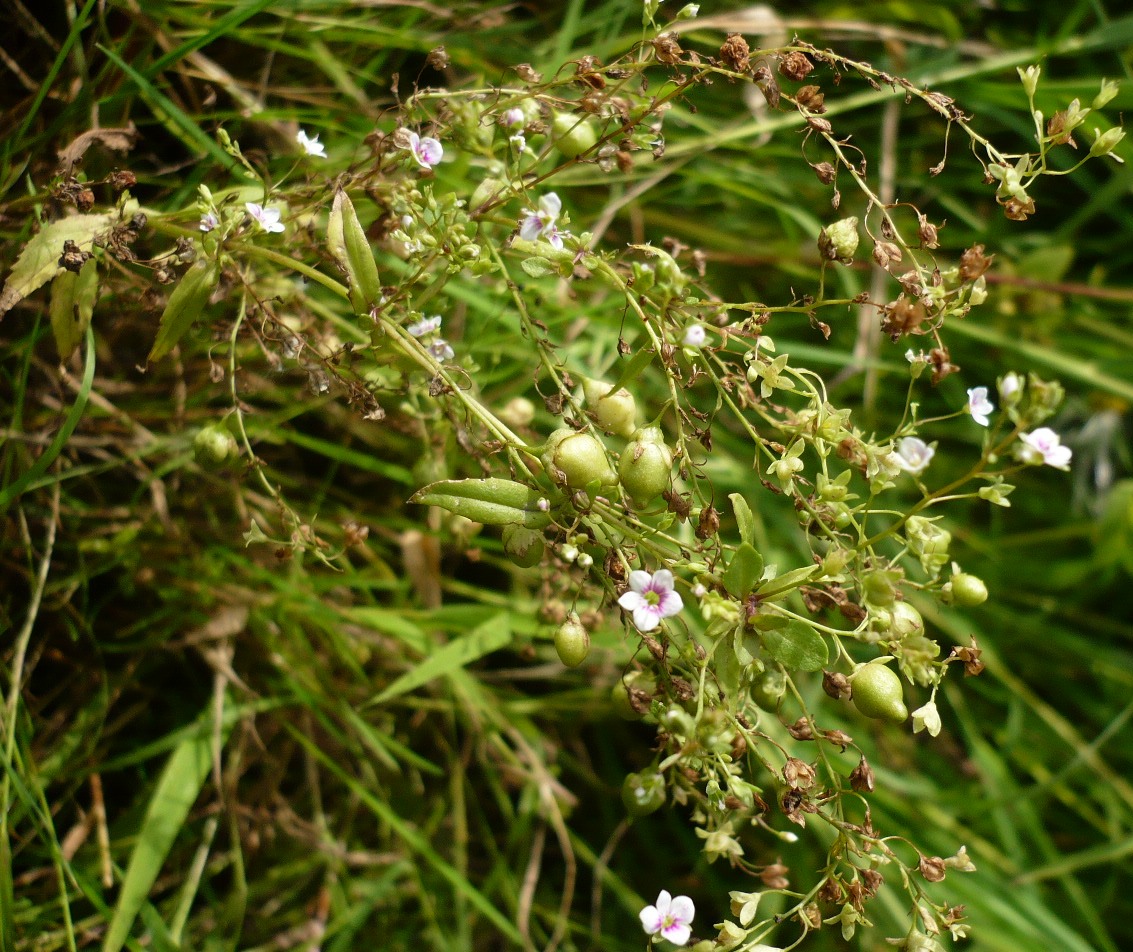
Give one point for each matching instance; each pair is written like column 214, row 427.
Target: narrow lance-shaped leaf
column 492, row 501
column 185, row 305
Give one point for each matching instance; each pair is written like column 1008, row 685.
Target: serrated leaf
column 743, row 571
column 744, row 518
column 72, row 304
column 185, row 305
column 38, row 263
column 485, row 638
column 797, row 647
column 537, row 267
column 785, row 583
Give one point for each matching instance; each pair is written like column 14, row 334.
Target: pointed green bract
column 346, row 240
column 185, row 305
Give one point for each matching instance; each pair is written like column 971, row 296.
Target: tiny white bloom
column 441, row 350
column 695, row 335
column 979, row 405
column 427, row 151
column 913, row 455
column 927, row 718
column 669, row 918
column 425, row 326
column 1010, row 385
column 209, row 221
column 650, row 598
column 512, row 118
column 311, row 144
column 699, row 591
column 1044, row 446
column 268, row 218
column 518, row 142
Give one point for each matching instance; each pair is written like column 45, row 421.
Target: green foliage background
column 422, row 820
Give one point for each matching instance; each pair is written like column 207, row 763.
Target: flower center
column 652, row 598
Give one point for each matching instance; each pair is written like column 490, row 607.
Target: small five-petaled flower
column 651, row 598
column 541, row 221
column 979, row 406
column 913, row 455
column 670, row 918
column 267, row 217
column 311, row 144
column 427, row 151
column 1044, row 446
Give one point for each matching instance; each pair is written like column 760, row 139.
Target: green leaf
column 490, row 636
column 744, row 518
column 72, row 304
column 346, row 240
column 492, row 501
column 185, row 305
column 173, row 797
column 537, row 267
column 743, row 571
column 797, row 647
column 787, row 582
column 38, row 263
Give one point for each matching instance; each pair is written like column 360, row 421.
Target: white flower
column 428, row 151
column 311, row 144
column 1044, row 446
column 267, row 217
column 979, row 406
column 670, row 918
column 651, row 598
column 542, row 221
column 913, row 455
column 518, row 142
column 1009, row 386
column 695, row 336
column 927, row 718
column 441, row 350
column 425, row 326
column 209, row 221
column 513, row 118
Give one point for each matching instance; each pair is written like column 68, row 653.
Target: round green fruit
column 877, row 692
column 768, row 689
column 906, row 621
column 644, row 792
column 645, row 467
column 615, row 411
column 968, row 590
column 573, row 135
column 214, row 446
column 572, row 642
column 580, row 458
column 524, row 547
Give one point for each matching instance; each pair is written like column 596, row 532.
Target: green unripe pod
column 572, row 642
column 839, row 241
column 573, row 135
column 646, row 466
column 968, row 590
column 643, row 793
column 615, row 411
column 768, row 689
column 214, row 446
column 578, row 459
column 905, row 621
column 525, row 547
column 877, row 693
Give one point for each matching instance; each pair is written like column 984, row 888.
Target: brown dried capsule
column 667, row 48
column 736, row 53
column 796, row 66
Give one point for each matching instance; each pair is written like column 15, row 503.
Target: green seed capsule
column 525, row 547
column 768, row 689
column 572, row 642
column 214, row 446
column 573, row 135
column 643, row 793
column 580, row 458
column 877, row 693
column 968, row 590
column 615, row 411
column 645, row 467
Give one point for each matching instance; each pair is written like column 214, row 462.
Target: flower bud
column 877, row 693
column 572, row 642
column 1104, row 142
column 645, row 466
column 517, row 412
column 523, row 546
column 213, row 446
column 573, row 135
column 968, row 590
column 577, row 459
column 839, row 241
column 615, row 411
column 1105, row 94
